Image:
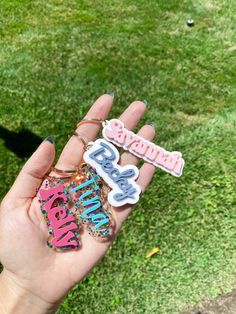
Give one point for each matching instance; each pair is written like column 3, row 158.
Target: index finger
column 73, row 151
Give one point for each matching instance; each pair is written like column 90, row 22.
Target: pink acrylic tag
column 115, row 132
column 62, row 224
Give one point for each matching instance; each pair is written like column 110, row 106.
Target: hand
column 35, row 278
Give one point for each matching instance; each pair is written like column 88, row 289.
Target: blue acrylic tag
column 104, row 157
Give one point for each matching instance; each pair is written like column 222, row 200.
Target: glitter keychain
column 62, row 223
column 88, row 193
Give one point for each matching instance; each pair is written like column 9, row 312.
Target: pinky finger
column 145, row 175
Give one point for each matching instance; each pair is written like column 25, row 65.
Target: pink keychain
column 115, row 132
column 62, row 224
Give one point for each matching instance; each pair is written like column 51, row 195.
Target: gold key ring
column 90, row 120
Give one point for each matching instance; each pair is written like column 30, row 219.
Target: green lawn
column 57, row 57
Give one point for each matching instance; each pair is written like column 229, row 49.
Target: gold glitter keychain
column 72, row 197
column 88, row 193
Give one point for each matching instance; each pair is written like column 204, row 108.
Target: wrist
column 17, row 299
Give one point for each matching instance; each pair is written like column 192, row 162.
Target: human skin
column 35, row 278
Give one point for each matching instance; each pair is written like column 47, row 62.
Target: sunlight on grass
column 57, row 57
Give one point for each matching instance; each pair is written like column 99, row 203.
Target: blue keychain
column 103, row 157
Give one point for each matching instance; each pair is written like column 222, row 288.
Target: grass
column 56, row 57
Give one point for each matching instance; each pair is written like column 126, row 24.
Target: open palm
column 23, row 233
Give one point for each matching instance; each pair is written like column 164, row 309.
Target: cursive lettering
column 104, row 157
column 63, row 224
column 115, row 132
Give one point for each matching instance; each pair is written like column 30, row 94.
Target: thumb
column 30, row 177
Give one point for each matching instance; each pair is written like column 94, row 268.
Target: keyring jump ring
column 61, row 171
column 89, row 145
column 80, row 138
column 58, row 178
column 90, row 120
column 70, row 172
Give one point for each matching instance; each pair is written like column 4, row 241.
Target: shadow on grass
column 22, row 143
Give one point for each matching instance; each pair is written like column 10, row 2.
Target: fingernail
column 50, row 139
column 112, row 94
column 152, row 124
column 144, row 101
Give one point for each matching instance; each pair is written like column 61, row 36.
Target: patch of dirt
column 225, row 304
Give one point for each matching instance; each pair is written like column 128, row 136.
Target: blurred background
column 57, row 57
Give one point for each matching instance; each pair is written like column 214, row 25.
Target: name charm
column 89, row 194
column 62, row 224
column 171, row 162
column 104, row 157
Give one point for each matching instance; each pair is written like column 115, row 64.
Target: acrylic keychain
column 104, row 157
column 115, row 132
column 61, row 222
column 88, row 192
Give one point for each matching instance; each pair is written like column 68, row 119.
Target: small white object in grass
column 190, row 22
